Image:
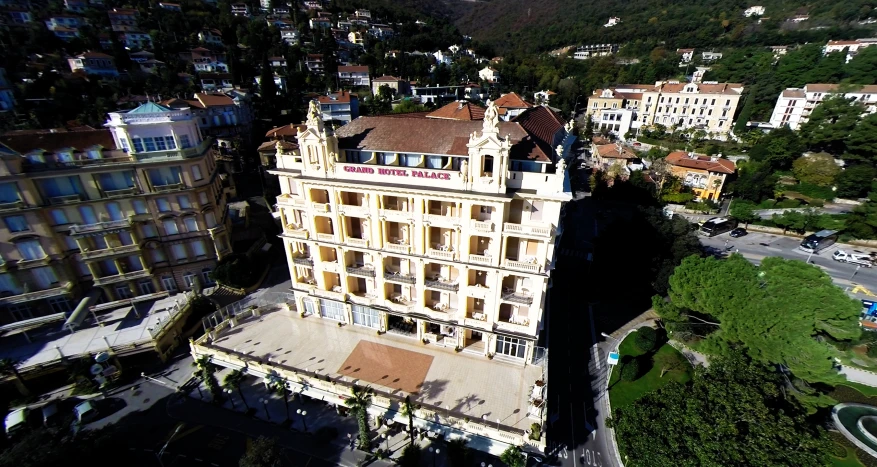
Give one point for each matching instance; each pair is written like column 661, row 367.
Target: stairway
column 223, row 296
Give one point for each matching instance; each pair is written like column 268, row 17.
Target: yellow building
column 135, row 210
column 705, row 175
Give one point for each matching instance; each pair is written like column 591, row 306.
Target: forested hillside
column 544, row 25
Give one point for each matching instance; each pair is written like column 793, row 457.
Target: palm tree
column 408, row 410
column 280, row 385
column 8, row 367
column 359, row 404
column 208, row 371
column 233, row 381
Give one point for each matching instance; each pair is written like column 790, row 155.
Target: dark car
column 738, row 232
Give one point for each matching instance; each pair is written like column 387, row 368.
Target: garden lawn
column 623, row 393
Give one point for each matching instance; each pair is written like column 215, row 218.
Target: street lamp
column 265, row 405
column 386, row 441
column 227, row 391
column 303, row 414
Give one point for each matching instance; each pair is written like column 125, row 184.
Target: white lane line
column 572, row 427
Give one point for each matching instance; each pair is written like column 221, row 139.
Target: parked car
column 738, row 232
column 85, row 412
column 16, row 421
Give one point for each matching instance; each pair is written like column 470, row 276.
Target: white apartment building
column 709, row 106
column 440, row 230
column 585, row 52
column 794, row 106
column 852, row 47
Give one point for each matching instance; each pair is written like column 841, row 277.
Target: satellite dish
column 96, row 369
column 101, row 357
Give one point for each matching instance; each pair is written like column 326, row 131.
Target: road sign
column 613, row 358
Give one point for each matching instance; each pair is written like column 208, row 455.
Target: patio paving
column 471, row 384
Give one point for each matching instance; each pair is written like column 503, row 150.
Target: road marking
column 572, row 428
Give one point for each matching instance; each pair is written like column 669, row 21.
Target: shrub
column 630, row 370
column 872, row 350
column 645, row 339
column 235, row 271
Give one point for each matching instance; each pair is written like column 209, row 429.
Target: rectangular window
column 158, row 256
column 149, row 144
column 203, row 199
column 210, row 219
column 179, row 252
column 191, row 224
column 163, row 204
column 108, row 267
column 139, row 206
column 332, row 310
column 44, row 277
column 149, row 230
column 184, row 141
column 61, row 186
column 60, row 305
column 116, row 180
column 125, row 238
column 8, row 284
column 170, row 227
column 159, row 144
column 16, row 223
column 59, row 217
column 30, row 250
column 366, row 316
column 169, row 283
column 123, row 292
column 196, row 172
column 9, row 193
column 165, row 176
column 115, row 211
column 184, row 202
column 146, row 287
column 169, row 141
column 511, row 346
column 199, row 249
column 70, row 243
column 138, row 144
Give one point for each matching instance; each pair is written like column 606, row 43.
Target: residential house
column 94, row 63
column 397, row 85
column 281, row 142
column 754, row 11
column 489, row 74
column 314, row 63
column 474, row 91
column 617, row 109
column 339, row 107
column 543, row 97
column 279, row 81
column 151, row 66
column 458, row 110
column 240, row 9
column 131, row 212
column 365, row 14
column 216, row 81
column 354, row 75
column 705, row 175
column 265, row 5
column 794, row 105
column 852, row 47
column 685, row 55
column 585, row 52
column 707, row 106
column 277, row 62
column 607, row 155
column 443, row 58
column 381, row 31
column 208, row 60
column 18, row 15
column 612, row 22
column 313, row 5
column 356, row 38
column 65, row 34
column 211, row 37
column 65, row 28
column 76, row 6
column 290, row 36
column 136, row 40
column 222, row 115
column 141, row 56
column 710, row 56
column 123, row 19
column 320, row 23
column 281, row 11
column 511, row 105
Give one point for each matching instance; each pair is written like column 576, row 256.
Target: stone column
column 92, row 268
column 135, row 290
column 108, row 291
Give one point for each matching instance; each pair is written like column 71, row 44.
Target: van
column 16, row 420
column 85, row 412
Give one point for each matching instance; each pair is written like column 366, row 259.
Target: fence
column 173, row 313
column 245, row 304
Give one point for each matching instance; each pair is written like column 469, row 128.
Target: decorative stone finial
column 491, row 118
column 315, row 118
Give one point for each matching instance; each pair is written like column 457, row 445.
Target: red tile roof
column 52, row 141
column 271, row 146
column 682, row 159
column 281, row 132
column 720, row 88
column 353, row 69
column 337, row 97
column 386, row 78
column 95, row 55
column 399, row 133
column 512, row 100
column 213, row 99
column 541, row 122
column 461, row 110
column 615, row 151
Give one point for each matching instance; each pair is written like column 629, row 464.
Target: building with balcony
column 704, row 175
column 339, row 107
column 707, row 106
column 585, row 52
column 851, row 47
column 433, row 230
column 794, row 105
column 133, row 210
column 123, row 19
column 354, row 75
column 221, row 115
column 94, row 63
column 136, row 40
column 616, row 109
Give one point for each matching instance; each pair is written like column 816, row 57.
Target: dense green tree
column 513, row 456
column 830, row 124
column 862, row 141
column 775, row 311
column 359, row 402
column 733, row 412
column 755, row 181
column 855, row 181
column 262, row 452
column 818, row 169
column 743, row 211
column 862, row 222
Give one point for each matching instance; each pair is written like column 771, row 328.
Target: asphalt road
column 756, row 246
column 576, row 435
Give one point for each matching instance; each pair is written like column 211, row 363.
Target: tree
column 670, row 361
column 410, row 456
column 359, row 403
column 732, row 413
column 775, row 311
column 262, row 452
column 235, row 271
column 207, row 372
column 267, row 89
column 588, row 130
column 861, row 142
column 855, row 181
column 831, row 123
column 513, row 456
column 818, row 169
column 755, row 181
column 645, row 339
column 459, row 454
column 408, row 411
column 630, row 370
column 233, row 381
column 743, row 211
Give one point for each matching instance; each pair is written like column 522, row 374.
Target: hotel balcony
column 107, row 227
column 442, row 214
column 513, row 318
column 15, row 205
column 477, row 319
column 287, row 199
column 123, row 277
column 66, row 199
column 121, row 193
column 402, row 306
column 400, row 278
column 396, row 216
column 109, row 252
column 321, row 207
column 439, row 284
column 529, row 265
column 62, row 289
column 169, row 187
column 441, row 252
column 481, row 226
column 350, row 210
column 303, row 261
column 295, row 230
column 481, row 260
column 361, row 270
column 543, row 230
column 352, row 204
column 356, row 242
column 521, row 298
column 403, row 248
column 325, row 231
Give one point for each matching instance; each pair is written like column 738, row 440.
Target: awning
column 81, row 311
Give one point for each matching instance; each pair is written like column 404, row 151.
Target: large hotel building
column 132, row 211
column 432, row 227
